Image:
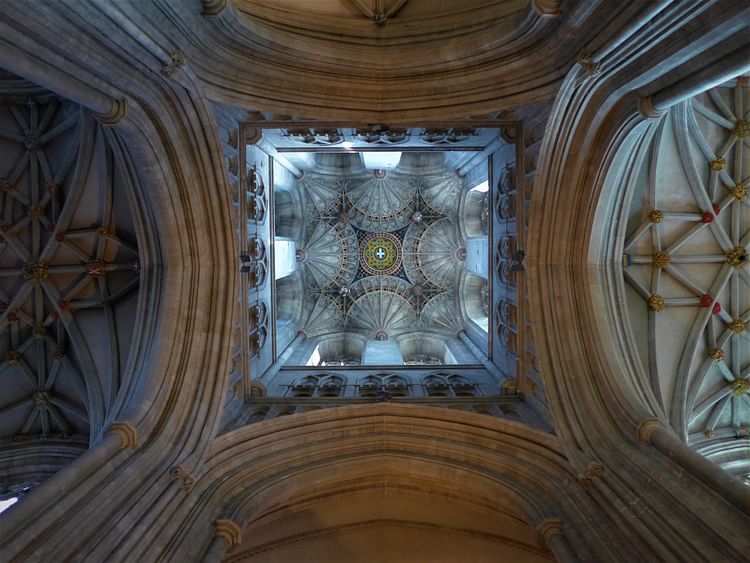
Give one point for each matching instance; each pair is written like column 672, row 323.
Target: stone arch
column 473, row 293
column 424, row 349
column 370, row 450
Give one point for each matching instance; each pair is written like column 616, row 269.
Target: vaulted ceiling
column 686, row 264
column 70, row 269
column 380, row 253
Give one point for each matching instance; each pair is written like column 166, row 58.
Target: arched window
column 339, row 350
column 396, row 386
column 421, row 349
column 475, row 295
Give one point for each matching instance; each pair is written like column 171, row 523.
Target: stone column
column 228, row 535
column 549, row 533
column 652, row 431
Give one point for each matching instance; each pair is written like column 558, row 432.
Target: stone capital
column 647, row 427
column 647, row 109
column 229, row 530
column 126, row 432
column 116, row 114
column 548, row 528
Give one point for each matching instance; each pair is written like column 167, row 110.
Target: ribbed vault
column 378, row 247
column 685, row 262
column 69, row 267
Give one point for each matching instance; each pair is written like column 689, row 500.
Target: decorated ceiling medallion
column 380, row 254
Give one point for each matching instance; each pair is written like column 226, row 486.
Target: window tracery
column 447, row 385
column 318, row 386
column 257, row 327
column 504, row 259
column 378, row 384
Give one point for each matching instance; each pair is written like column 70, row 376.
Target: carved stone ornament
column 595, row 469
column 585, row 481
column 188, row 482
column 177, row 472
column 586, row 60
column 656, row 303
column 656, row 216
column 176, row 60
column 661, row 259
column 180, row 473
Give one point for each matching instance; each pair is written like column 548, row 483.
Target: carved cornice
column 586, row 479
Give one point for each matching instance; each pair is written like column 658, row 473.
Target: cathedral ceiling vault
column 380, row 247
column 69, row 268
column 621, row 467
column 686, row 259
column 575, row 255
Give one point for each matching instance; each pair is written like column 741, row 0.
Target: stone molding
column 257, row 78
